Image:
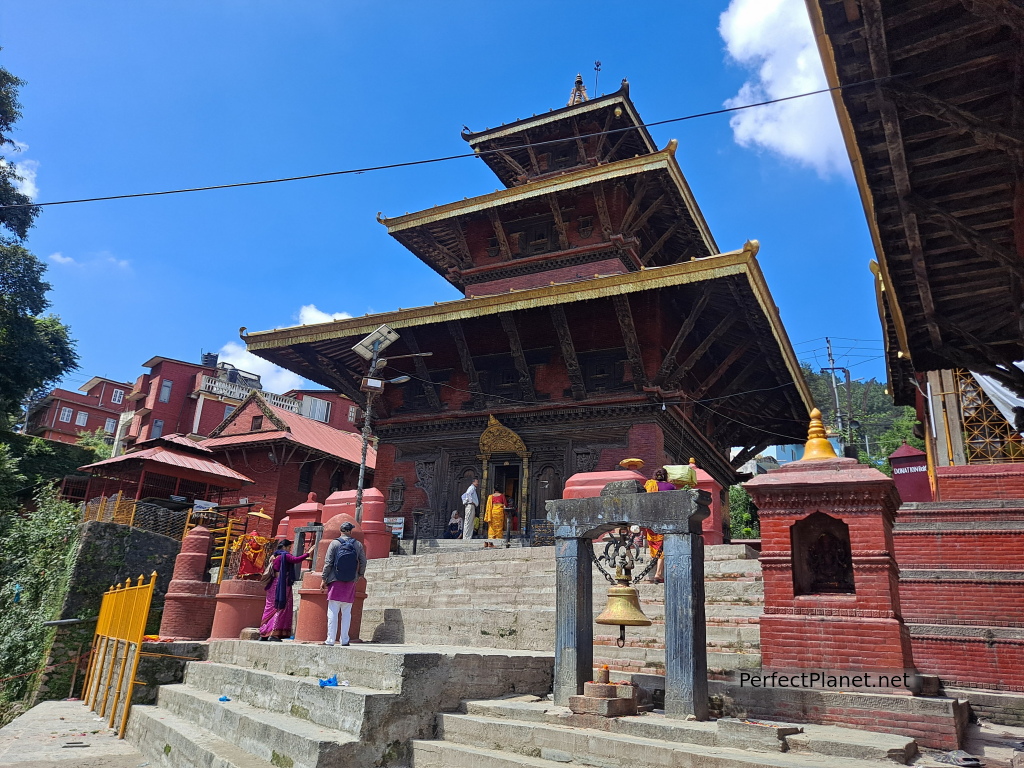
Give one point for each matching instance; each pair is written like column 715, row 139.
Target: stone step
column 819, row 739
column 560, row 744
column 272, row 736
column 170, row 742
column 348, row 708
column 649, row 659
column 396, row 570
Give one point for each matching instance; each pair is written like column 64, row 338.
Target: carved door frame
column 496, row 440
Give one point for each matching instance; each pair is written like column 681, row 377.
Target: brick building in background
column 62, row 415
column 179, row 397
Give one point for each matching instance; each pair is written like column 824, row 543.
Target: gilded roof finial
column 579, row 92
column 817, row 446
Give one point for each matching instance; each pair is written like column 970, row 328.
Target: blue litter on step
column 223, row 698
column 330, row 681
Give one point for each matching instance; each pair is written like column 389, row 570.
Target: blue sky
column 132, row 97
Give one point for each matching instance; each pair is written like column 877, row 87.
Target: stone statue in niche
column 822, row 556
column 396, row 495
column 586, row 460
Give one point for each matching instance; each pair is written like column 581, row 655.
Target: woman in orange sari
column 656, row 540
column 494, row 516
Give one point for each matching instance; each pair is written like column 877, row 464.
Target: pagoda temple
column 600, row 322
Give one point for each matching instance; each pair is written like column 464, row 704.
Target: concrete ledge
column 937, row 574
column 997, row 706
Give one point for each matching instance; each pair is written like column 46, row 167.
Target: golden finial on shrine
column 817, row 446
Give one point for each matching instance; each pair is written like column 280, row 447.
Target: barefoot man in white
column 472, row 500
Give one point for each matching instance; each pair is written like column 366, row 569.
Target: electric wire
column 410, row 163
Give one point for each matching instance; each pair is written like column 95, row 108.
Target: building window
column 315, row 408
column 157, row 429
column 257, row 424
column 65, row 414
column 228, row 410
column 165, row 390
column 110, row 426
column 353, row 413
column 306, row 477
column 81, row 419
column 117, row 397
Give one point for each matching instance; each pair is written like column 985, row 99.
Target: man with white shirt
column 472, row 500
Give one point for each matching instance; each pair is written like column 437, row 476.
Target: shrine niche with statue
column 600, row 322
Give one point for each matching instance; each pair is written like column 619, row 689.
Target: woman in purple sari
column 277, row 616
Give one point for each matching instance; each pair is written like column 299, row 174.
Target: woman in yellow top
column 494, row 516
column 655, row 540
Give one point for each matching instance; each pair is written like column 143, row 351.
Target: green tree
column 96, row 442
column 36, row 349
column 743, row 519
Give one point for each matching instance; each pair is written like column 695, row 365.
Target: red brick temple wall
column 980, row 481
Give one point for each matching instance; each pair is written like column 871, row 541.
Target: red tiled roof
column 176, row 438
column 309, row 432
column 165, row 455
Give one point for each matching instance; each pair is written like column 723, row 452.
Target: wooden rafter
column 581, row 150
column 337, row 378
column 719, row 372
column 981, row 244
column 874, row 34
column 556, row 212
column 455, row 225
column 750, row 452
column 572, row 363
column 508, row 323
column 533, row 155
column 734, row 386
column 455, row 328
column 421, row 369
column 499, row 233
column 648, row 212
column 984, row 132
column 684, row 330
column 603, row 138
column 630, row 340
column 655, row 249
column 639, row 190
column 512, row 162
column 616, row 145
column 1003, row 12
column 691, row 360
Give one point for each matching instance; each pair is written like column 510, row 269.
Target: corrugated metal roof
column 177, row 439
column 305, row 431
column 164, row 455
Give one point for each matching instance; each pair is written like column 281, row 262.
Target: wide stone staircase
column 523, row 731
column 505, row 598
column 257, row 705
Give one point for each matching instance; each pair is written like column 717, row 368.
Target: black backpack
column 346, row 560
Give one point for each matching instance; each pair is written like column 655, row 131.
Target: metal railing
column 214, row 386
column 116, row 648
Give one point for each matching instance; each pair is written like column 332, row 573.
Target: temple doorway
column 508, row 479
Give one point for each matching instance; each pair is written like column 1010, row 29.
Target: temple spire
column 579, row 92
column 817, row 446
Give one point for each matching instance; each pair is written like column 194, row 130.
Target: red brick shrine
column 600, row 322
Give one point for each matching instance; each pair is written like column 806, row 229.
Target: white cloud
column 26, row 169
column 274, row 378
column 60, row 258
column 103, row 260
column 310, row 315
column 773, row 39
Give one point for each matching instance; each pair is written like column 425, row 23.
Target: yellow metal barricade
column 116, row 648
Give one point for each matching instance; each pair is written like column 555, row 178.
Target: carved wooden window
column 822, row 556
column 306, row 477
column 257, row 424
column 564, row 157
column 493, row 249
column 538, row 238
column 603, row 371
column 585, row 226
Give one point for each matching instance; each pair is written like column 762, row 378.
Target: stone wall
column 107, row 554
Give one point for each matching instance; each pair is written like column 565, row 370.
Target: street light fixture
column 370, row 349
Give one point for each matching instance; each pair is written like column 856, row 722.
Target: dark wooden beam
column 639, row 190
column 735, row 386
column 581, row 150
column 508, row 322
column 421, row 370
column 572, row 363
column 684, row 330
column 750, row 452
column 982, row 245
column 1005, row 12
column 630, row 340
column 874, row 34
column 603, row 138
column 499, row 234
column 723, row 326
column 556, row 211
column 455, row 226
column 533, row 155
column 655, row 249
column 339, row 380
column 512, row 162
column 724, row 366
column 616, row 145
column 648, row 212
column 455, row 328
column 984, row 132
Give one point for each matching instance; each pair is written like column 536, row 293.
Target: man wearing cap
column 341, row 593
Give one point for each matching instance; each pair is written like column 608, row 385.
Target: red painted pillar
column 712, row 525
column 190, row 602
column 831, row 583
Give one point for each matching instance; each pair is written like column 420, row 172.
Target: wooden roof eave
column 663, row 160
column 828, row 62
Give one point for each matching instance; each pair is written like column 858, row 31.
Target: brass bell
column 623, row 609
